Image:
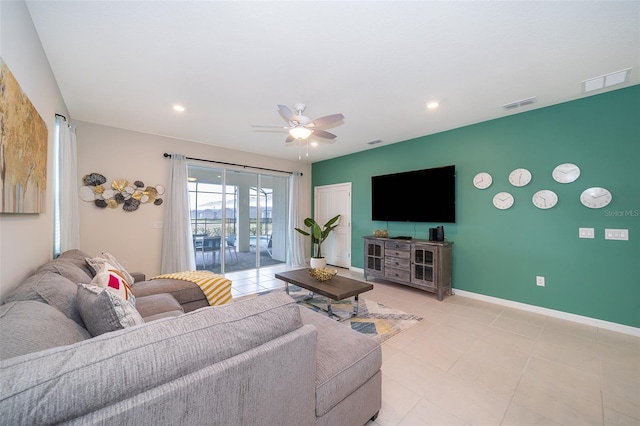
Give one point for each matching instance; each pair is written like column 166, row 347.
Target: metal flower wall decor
column 120, row 192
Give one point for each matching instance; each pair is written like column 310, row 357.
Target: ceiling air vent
column 520, row 103
column 606, row 80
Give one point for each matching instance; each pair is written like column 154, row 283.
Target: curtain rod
column 234, row 164
column 60, row 115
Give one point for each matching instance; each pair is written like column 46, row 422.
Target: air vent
column 374, row 142
column 606, row 80
column 520, row 103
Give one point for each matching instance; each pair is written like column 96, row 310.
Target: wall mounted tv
column 427, row 195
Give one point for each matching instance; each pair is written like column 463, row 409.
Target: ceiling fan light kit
column 300, row 132
column 301, row 127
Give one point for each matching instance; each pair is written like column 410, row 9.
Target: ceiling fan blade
column 286, row 111
column 257, row 126
column 323, row 134
column 327, row 119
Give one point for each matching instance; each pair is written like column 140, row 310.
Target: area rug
column 374, row 319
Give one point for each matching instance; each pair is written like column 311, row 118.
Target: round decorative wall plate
column 520, row 177
column 596, row 197
column 503, row 200
column 87, row 194
column 545, row 199
column 482, row 180
column 566, row 173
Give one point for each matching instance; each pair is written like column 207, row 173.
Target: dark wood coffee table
column 337, row 288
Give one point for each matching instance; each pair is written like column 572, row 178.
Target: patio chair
column 269, row 246
column 231, row 244
column 207, row 245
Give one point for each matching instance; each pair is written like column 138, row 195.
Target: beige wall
column 26, row 240
column 122, row 154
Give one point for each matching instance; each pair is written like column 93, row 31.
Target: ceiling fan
column 301, row 127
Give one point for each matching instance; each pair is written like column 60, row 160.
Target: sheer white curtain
column 296, row 240
column 68, row 206
column 177, row 240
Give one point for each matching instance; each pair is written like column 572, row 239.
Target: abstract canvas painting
column 23, row 149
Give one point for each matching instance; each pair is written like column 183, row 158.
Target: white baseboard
column 612, row 326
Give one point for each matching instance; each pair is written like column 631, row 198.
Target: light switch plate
column 586, row 233
column 616, row 234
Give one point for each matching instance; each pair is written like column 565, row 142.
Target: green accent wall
column 499, row 253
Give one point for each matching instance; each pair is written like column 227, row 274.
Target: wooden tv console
column 421, row 264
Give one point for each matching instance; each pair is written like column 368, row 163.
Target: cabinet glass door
column 374, row 256
column 422, row 270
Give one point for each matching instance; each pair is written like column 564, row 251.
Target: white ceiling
column 125, row 63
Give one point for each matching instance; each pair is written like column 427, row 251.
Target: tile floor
column 471, row 362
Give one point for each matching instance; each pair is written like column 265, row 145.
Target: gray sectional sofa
column 262, row 361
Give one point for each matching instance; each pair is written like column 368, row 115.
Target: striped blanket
column 216, row 287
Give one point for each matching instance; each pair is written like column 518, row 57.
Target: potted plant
column 318, row 235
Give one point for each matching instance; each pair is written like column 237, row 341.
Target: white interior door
column 330, row 200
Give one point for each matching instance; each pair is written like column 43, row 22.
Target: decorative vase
column 318, row 262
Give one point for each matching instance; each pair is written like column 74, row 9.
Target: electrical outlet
column 616, row 234
column 540, row 281
column 586, row 233
column 158, row 225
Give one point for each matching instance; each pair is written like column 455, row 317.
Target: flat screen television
column 427, row 195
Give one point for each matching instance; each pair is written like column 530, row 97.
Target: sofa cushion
column 111, row 278
column 345, row 360
column 103, row 310
column 78, row 258
column 96, row 263
column 192, row 306
column 161, row 315
column 68, row 269
column 50, row 288
column 155, row 304
column 30, row 326
column 184, row 291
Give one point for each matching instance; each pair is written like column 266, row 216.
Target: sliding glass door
column 244, row 203
column 273, row 197
column 238, row 218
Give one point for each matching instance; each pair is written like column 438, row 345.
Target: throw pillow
column 111, row 278
column 103, row 310
column 95, row 264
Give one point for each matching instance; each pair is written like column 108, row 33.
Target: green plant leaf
column 318, row 234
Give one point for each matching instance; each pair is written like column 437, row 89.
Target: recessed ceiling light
column 313, row 143
column 178, row 108
column 433, row 105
